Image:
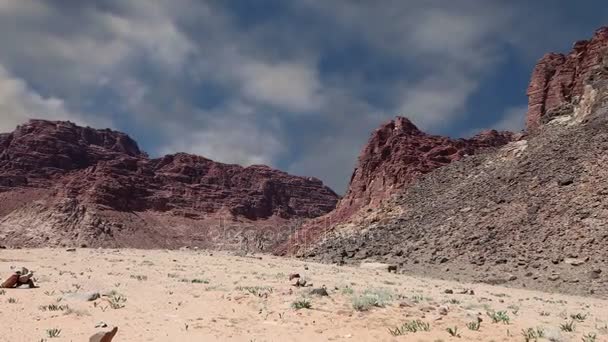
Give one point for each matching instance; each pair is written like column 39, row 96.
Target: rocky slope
column 64, row 184
column 396, row 155
column 531, row 214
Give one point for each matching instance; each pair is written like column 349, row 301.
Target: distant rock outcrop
column 396, row 154
column 558, row 81
column 86, row 174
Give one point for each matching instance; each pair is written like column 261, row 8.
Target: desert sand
column 194, row 295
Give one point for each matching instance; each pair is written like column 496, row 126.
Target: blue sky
column 298, row 85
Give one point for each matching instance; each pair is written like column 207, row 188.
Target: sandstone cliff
column 90, row 184
column 558, row 80
column 396, row 155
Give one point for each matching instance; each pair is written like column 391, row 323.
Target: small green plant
column 410, row 327
column 499, row 316
column 347, row 291
column 49, row 293
column 418, row 298
column 2, row 292
column 590, row 337
column 533, row 334
column 474, row 326
column 200, row 281
column 454, row 301
column 172, row 275
column 117, row 301
column 139, row 277
column 545, row 313
column 579, row 317
column 568, row 326
column 372, row 298
column 453, row 332
column 53, row 333
column 12, row 300
column 195, row 281
column 303, row 303
column 53, row 307
column 256, row 290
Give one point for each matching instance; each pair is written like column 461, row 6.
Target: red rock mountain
column 65, row 184
column 396, row 155
column 530, row 214
column 558, row 80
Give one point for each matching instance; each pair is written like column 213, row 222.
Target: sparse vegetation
column 12, row 300
column 139, row 277
column 347, row 291
column 372, row 298
column 2, row 292
column 590, row 337
column 410, row 327
column 53, row 307
column 568, row 326
column 453, row 332
column 117, row 301
column 474, row 326
column 499, row 316
column 303, row 303
column 532, row 334
column 418, row 298
column 195, row 281
column 579, row 317
column 53, row 333
column 256, row 290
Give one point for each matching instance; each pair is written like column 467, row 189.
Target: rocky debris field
column 194, row 295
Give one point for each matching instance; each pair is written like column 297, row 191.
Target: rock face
column 558, row 80
column 532, row 213
column 396, row 154
column 80, row 171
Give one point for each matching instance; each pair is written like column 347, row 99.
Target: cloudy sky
column 298, row 85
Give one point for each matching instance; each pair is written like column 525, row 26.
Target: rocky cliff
column 398, row 152
column 396, row 155
column 99, row 181
column 558, row 80
column 532, row 213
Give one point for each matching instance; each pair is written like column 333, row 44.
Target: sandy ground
column 250, row 299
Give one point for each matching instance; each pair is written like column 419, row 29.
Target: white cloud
column 290, row 86
column 228, row 141
column 18, row 103
column 437, row 99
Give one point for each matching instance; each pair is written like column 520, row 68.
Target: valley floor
column 202, row 296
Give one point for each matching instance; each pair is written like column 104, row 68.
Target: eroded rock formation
column 558, row 80
column 80, row 170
